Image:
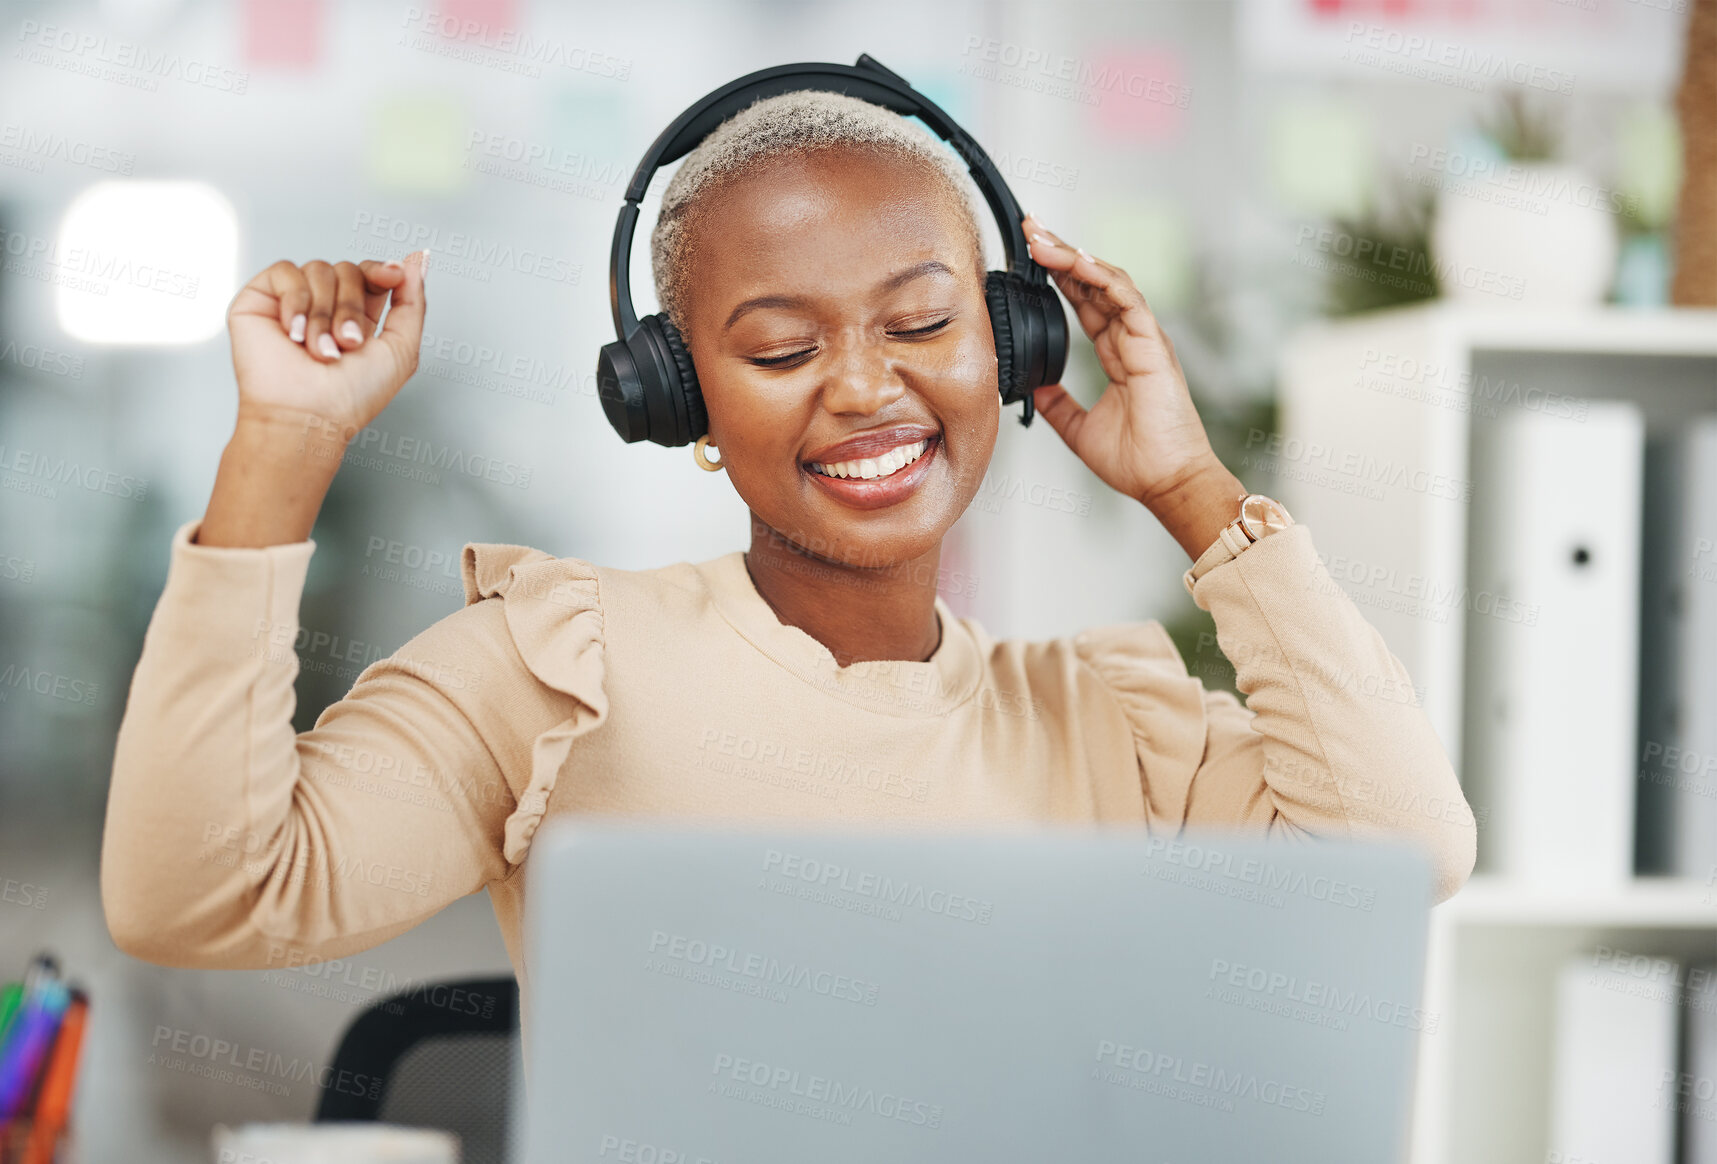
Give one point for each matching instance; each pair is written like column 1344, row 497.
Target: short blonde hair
column 796, row 122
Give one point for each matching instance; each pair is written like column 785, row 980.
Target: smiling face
column 836, row 314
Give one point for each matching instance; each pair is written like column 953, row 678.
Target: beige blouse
column 563, row 687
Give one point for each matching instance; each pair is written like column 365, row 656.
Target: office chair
column 444, row 1053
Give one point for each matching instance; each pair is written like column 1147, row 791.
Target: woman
column 821, row 257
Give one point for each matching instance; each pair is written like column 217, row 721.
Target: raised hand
column 312, row 371
column 1143, row 436
column 304, row 338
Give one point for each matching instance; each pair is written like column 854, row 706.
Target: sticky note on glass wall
column 481, row 19
column 285, row 33
column 1141, row 94
column 417, row 144
column 1151, row 241
column 1648, row 148
column 1321, row 158
column 589, row 132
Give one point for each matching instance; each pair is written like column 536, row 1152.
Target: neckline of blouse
column 900, row 687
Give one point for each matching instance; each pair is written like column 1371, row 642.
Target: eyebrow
column 893, row 282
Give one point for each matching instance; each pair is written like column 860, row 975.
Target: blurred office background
column 1419, row 259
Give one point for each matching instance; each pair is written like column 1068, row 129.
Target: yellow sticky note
column 1321, row 158
column 417, row 145
column 1648, row 153
column 1149, row 240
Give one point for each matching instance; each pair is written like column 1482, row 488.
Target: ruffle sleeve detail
column 554, row 613
column 1162, row 703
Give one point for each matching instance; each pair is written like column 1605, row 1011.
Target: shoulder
column 1130, row 654
column 1133, row 668
column 524, row 573
column 560, row 611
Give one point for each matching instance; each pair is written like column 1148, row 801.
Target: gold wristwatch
column 1260, row 517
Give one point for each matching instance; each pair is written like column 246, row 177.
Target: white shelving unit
column 1482, row 1094
column 1377, row 413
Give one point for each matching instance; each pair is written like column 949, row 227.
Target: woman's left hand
column 1143, row 437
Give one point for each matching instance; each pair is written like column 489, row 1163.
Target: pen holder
column 25, row 1141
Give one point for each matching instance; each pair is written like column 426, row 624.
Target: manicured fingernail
column 328, row 347
column 296, row 331
column 1082, row 254
column 425, row 268
column 1044, row 239
column 350, row 330
column 394, row 263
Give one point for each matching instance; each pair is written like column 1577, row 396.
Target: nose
column 861, row 379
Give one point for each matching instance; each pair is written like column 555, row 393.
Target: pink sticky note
column 491, row 16
column 1142, row 93
column 282, row 32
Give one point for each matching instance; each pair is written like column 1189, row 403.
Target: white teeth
column 892, row 461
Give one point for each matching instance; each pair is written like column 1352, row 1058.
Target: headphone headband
column 868, row 81
column 646, row 378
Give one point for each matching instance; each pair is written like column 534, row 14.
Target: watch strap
column 1225, row 548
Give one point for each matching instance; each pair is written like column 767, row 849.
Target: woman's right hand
column 304, row 340
column 301, row 402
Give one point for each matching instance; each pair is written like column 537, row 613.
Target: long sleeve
column 232, row 841
column 1332, row 740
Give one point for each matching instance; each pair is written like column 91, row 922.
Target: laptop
column 727, row 996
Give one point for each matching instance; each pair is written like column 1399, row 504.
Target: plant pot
column 1534, row 233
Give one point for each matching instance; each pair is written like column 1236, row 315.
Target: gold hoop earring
column 702, row 458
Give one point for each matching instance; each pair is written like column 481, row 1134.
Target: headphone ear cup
column 1051, row 321
column 620, row 387
column 642, row 382
column 998, row 296
column 1031, row 333
column 685, row 389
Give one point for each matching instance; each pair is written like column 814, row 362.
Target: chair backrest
column 446, row 1053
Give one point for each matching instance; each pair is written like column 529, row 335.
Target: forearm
column 1335, row 736
column 273, row 477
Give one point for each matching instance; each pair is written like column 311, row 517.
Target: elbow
column 1453, row 852
column 135, row 930
column 140, row 916
column 142, row 942
column 135, row 937
column 150, row 937
column 1451, row 841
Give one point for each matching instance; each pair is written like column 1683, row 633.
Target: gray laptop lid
column 1057, row 995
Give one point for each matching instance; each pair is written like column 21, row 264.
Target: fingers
column 1064, row 414
column 403, row 328
column 291, row 293
column 1097, row 290
column 380, row 279
column 329, row 308
column 318, row 337
column 348, row 320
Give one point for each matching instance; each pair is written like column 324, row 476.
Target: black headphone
column 648, row 386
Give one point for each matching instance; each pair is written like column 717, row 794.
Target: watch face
column 1263, row 515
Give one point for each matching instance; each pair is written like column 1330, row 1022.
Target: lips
column 869, row 468
column 871, row 444
column 904, row 473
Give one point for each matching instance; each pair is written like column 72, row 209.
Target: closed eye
column 921, row 332
column 788, row 360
